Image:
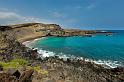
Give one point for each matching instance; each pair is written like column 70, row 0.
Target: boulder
column 13, row 72
column 26, row 76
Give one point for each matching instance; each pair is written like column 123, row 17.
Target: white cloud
column 3, row 9
column 14, row 18
column 7, row 17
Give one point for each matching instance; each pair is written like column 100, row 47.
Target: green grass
column 9, row 65
column 1, row 51
column 20, row 61
column 40, row 71
column 15, row 63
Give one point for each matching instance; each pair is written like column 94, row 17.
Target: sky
column 77, row 14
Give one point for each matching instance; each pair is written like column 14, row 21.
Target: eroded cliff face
column 34, row 30
column 3, row 42
column 28, row 31
column 23, row 32
column 52, row 69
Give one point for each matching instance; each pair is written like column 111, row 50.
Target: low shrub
column 15, row 63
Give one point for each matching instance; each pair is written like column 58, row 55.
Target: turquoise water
column 98, row 47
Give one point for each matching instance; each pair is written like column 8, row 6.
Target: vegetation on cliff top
column 15, row 63
column 15, row 55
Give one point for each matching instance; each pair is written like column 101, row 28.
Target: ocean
column 101, row 49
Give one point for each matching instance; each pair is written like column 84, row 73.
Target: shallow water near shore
column 101, row 49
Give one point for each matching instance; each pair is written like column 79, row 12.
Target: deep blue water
column 98, row 47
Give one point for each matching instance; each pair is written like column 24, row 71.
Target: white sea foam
column 29, row 43
column 45, row 53
column 103, row 31
column 108, row 63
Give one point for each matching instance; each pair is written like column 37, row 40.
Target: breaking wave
column 44, row 53
column 107, row 64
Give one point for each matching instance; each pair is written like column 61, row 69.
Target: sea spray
column 98, row 44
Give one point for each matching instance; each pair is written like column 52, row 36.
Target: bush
column 20, row 61
column 40, row 71
column 7, row 65
column 15, row 63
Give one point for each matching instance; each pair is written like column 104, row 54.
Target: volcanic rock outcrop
column 29, row 68
column 24, row 32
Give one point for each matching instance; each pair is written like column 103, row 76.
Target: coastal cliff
column 21, row 64
column 24, row 32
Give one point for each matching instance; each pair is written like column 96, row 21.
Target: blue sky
column 81, row 14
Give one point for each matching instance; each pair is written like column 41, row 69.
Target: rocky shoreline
column 20, row 64
column 30, row 31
